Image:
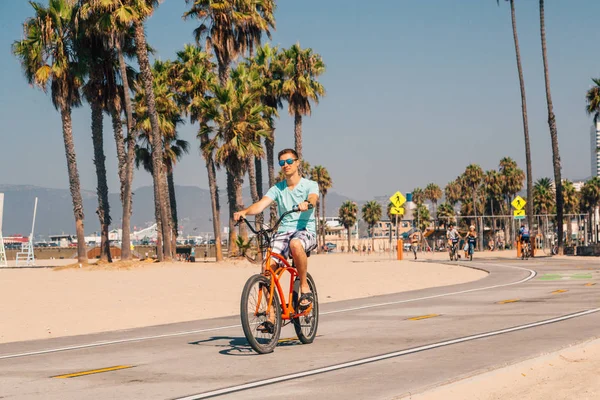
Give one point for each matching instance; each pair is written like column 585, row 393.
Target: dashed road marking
column 559, row 291
column 93, row 371
column 423, row 317
column 509, row 301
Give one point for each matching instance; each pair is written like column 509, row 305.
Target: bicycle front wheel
column 306, row 325
column 256, row 321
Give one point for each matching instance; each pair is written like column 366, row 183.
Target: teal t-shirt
column 286, row 199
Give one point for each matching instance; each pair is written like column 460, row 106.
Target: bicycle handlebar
column 293, row 210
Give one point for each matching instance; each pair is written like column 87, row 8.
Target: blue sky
column 416, row 90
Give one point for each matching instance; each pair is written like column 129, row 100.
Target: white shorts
column 281, row 241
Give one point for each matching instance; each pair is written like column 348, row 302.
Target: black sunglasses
column 290, row 161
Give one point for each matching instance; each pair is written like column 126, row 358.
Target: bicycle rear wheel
column 253, row 312
column 306, row 325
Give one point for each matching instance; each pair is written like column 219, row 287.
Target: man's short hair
column 285, row 151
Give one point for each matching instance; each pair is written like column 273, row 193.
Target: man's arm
column 254, row 209
column 312, row 199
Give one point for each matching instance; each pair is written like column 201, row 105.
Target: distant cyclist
column 453, row 237
column 524, row 236
column 471, row 240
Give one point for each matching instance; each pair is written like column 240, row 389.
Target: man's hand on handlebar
column 304, row 206
column 237, row 216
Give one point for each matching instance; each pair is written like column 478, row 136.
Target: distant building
column 595, row 147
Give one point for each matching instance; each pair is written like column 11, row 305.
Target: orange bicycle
column 264, row 309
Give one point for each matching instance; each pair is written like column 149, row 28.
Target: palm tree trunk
column 159, row 230
column 214, row 197
column 239, row 201
column 324, row 227
column 74, row 184
column 126, row 191
column 253, row 188
column 115, row 115
column 298, row 135
column 318, row 225
column 553, row 137
column 103, row 210
column 349, row 241
column 163, row 254
column 270, row 144
column 232, row 209
column 168, row 236
column 259, row 177
column 173, row 204
column 529, row 205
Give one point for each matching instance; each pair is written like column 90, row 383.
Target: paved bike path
column 355, row 355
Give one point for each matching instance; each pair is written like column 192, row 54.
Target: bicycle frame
column 287, row 312
column 287, row 309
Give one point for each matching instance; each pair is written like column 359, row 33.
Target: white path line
column 386, row 356
column 193, row 332
column 532, row 274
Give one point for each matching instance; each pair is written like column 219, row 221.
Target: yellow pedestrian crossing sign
column 519, row 214
column 518, row 203
column 397, row 211
column 397, row 199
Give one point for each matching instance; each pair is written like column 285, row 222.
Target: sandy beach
column 571, row 373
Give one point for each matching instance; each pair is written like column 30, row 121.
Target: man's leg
column 300, row 262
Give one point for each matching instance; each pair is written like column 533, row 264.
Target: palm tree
column 593, row 108
column 446, row 213
column 301, row 68
column 511, row 178
column 347, row 215
column 115, row 19
column 493, row 191
column 267, row 63
column 424, row 217
column 544, row 200
column 418, row 196
column 433, row 193
column 194, row 74
column 238, row 121
column 529, row 206
column 169, row 116
column 590, row 198
column 100, row 92
column 452, row 192
column 321, row 176
column 592, row 98
column 553, row 137
column 231, row 28
column 47, row 58
column 473, row 178
column 371, row 214
column 571, row 197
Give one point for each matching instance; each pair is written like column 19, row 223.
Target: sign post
column 397, row 201
column 519, row 213
column 519, row 204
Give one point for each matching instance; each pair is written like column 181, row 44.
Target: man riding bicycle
column 297, row 231
column 453, row 237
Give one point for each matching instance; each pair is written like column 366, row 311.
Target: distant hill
column 55, row 209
